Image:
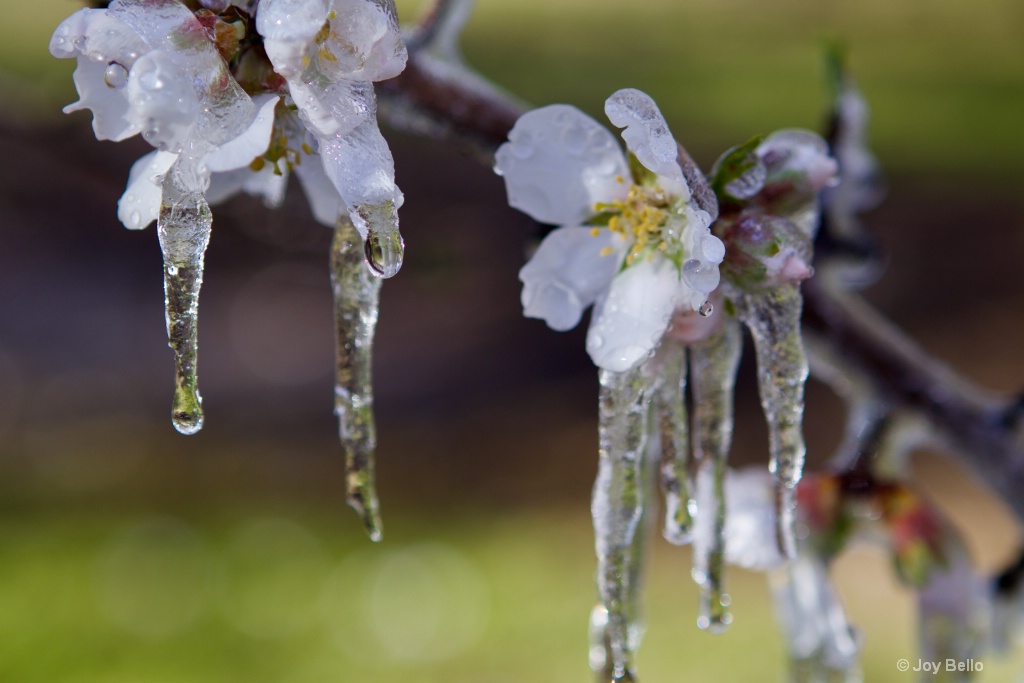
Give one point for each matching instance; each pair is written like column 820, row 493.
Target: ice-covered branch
column 458, row 105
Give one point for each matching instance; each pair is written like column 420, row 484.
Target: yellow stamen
column 594, row 232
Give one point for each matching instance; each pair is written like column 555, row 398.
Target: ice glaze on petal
column 631, row 320
column 558, row 163
column 140, row 204
column 253, row 142
column 566, row 274
column 647, row 135
column 324, row 200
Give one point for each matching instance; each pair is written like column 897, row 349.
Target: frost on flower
column 236, row 96
column 631, row 240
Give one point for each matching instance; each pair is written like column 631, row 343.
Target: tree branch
column 439, row 97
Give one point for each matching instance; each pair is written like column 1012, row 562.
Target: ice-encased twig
column 183, row 227
column 673, row 431
column 822, row 646
column 713, row 363
column 620, row 494
column 773, row 317
column 356, row 297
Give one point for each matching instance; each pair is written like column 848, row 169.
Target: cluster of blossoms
column 235, row 96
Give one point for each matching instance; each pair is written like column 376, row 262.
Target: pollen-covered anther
column 640, row 216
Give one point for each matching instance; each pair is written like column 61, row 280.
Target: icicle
column 618, row 509
column 822, row 646
column 713, row 363
column 673, row 432
column 183, row 227
column 773, row 316
column 356, row 296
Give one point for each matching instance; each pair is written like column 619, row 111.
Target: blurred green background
column 129, row 553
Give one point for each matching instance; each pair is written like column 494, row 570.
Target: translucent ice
column 356, row 297
column 647, row 135
column 773, row 317
column 620, row 494
column 672, row 425
column 823, row 647
column 183, row 227
column 714, row 361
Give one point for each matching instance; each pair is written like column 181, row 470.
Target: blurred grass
column 280, row 594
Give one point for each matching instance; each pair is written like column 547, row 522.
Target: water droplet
column 597, row 341
column 703, row 277
column 384, row 252
column 187, row 412
column 79, row 43
column 135, row 219
column 706, row 309
column 575, row 140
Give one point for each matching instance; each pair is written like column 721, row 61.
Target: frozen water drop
column 706, row 309
column 187, row 412
column 702, row 276
column 115, row 76
column 575, row 140
column 384, row 252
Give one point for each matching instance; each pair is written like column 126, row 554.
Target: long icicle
column 713, row 364
column 673, row 431
column 773, row 317
column 617, row 509
column 356, row 297
column 183, row 227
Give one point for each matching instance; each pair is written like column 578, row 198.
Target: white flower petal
column 324, row 200
column 112, row 118
column 566, row 274
column 630, row 322
column 164, row 100
column 263, row 183
column 100, row 42
column 558, row 163
column 140, row 204
column 647, row 135
column 253, row 142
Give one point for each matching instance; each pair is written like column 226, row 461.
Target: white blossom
column 330, row 52
column 648, row 250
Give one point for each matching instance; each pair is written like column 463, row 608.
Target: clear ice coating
column 773, row 317
column 823, row 647
column 620, row 493
column 184, row 231
column 673, row 432
column 713, row 362
column 356, row 297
